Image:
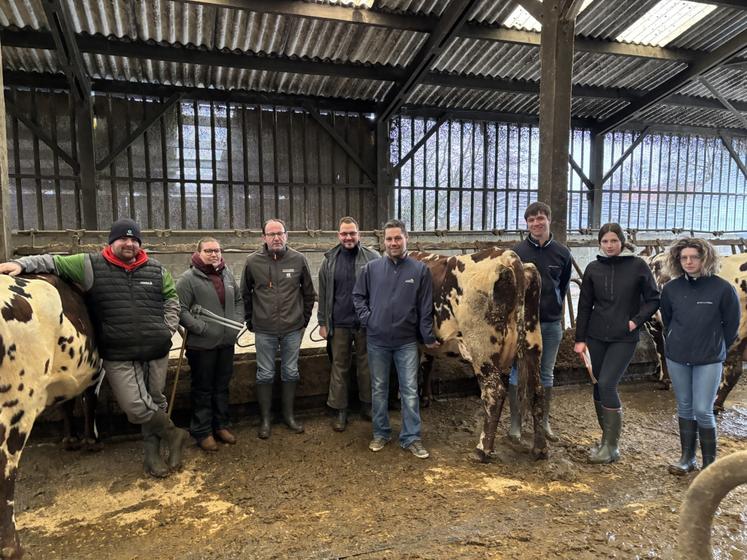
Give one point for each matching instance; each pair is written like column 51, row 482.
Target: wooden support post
column 556, row 54
column 6, row 249
column 87, row 162
column 384, row 176
column 596, row 174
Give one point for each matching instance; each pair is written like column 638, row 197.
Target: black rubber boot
column 546, row 416
column 264, row 400
column 514, row 432
column 688, row 441
column 598, row 409
column 153, row 464
column 707, row 445
column 175, row 438
column 341, row 420
column 288, row 397
column 611, row 428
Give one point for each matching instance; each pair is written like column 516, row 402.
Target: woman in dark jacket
column 700, row 312
column 618, row 295
column 210, row 347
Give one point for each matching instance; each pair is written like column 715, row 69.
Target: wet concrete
column 323, row 495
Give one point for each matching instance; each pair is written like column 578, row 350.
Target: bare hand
column 632, row 326
column 323, row 331
column 11, row 268
column 579, row 347
column 433, row 345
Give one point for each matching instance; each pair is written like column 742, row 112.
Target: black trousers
column 609, row 360
column 211, row 374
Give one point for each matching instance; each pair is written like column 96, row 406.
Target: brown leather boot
column 225, row 435
column 208, row 444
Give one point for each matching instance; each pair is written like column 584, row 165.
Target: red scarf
column 140, row 259
column 213, row 273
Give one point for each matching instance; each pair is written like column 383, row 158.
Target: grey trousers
column 138, row 387
column 341, row 345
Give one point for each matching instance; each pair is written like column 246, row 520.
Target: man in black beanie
column 135, row 311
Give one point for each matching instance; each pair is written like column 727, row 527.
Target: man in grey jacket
column 278, row 299
column 338, row 322
column 210, row 347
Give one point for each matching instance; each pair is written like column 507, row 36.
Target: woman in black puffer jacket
column 700, row 312
column 618, row 295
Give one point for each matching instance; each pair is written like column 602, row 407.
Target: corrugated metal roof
column 729, row 82
column 217, row 28
column 692, row 116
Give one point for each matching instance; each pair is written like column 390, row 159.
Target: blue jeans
column 406, row 361
column 552, row 335
column 267, row 348
column 695, row 389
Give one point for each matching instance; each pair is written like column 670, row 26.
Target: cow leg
column 91, row 440
column 493, row 393
column 732, row 372
column 70, row 441
column 426, row 389
column 11, row 445
column 537, row 399
column 539, row 448
column 10, row 546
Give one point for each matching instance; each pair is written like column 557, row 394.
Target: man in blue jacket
column 553, row 261
column 393, row 298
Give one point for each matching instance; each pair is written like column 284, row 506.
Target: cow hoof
column 11, row 552
column 540, row 454
column 71, row 443
column 92, row 446
column 480, row 456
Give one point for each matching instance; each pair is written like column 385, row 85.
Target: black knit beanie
column 124, row 227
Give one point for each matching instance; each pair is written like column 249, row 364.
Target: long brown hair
column 708, row 255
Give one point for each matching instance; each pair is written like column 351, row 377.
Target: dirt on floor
column 323, row 494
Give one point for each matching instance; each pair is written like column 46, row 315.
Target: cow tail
column 530, row 337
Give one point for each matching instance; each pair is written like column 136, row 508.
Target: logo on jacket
column 703, row 303
column 146, row 283
column 288, row 272
column 410, row 281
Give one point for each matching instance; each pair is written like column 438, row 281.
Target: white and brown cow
column 47, row 355
column 734, row 271
column 486, row 308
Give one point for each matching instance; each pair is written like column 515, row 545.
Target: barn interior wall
column 206, row 165
column 476, row 175
column 202, row 165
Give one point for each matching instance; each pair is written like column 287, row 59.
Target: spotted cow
column 734, row 271
column 486, row 308
column 47, row 355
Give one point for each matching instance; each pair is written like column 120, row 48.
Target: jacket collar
column 535, row 243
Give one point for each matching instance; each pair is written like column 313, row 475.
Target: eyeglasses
column 277, row 234
column 211, row 251
column 348, row 234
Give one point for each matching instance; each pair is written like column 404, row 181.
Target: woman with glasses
column 700, row 312
column 618, row 295
column 210, row 346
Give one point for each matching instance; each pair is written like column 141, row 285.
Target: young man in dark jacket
column 338, row 322
column 210, row 347
column 278, row 299
column 553, row 261
column 135, row 310
column 393, row 298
